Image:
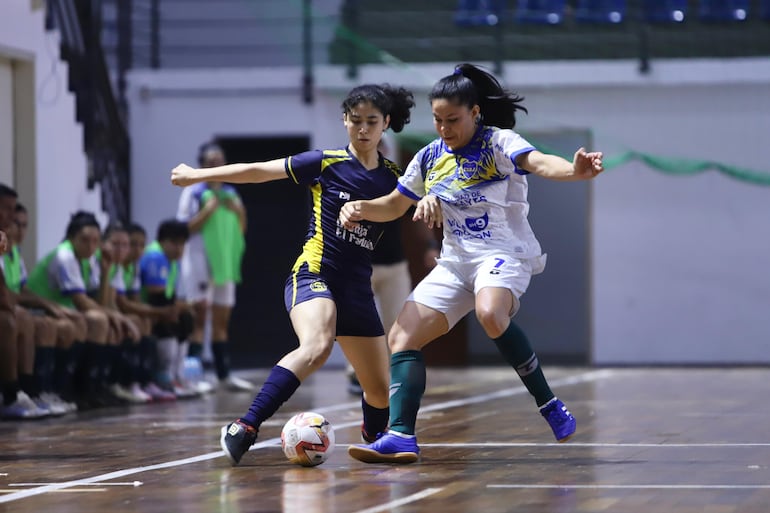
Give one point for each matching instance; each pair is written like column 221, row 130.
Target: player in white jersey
column 472, row 179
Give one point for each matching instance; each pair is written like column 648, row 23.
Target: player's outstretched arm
column 584, row 165
column 255, row 172
column 380, row 210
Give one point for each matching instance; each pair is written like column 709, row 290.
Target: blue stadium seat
column 723, row 10
column 479, row 13
column 600, row 11
column 545, row 12
column 764, row 10
column 664, row 11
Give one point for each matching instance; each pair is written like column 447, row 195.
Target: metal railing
column 98, row 108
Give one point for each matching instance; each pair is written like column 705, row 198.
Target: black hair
column 79, row 220
column 208, row 147
column 171, row 229
column 6, row 191
column 113, row 227
column 20, row 208
column 392, row 101
column 470, row 85
column 136, row 228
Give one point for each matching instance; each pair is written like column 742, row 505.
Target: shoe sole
column 223, row 445
column 369, row 456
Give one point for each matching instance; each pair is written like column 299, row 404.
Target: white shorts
column 451, row 287
column 195, row 283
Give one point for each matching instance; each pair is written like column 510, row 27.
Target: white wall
column 52, row 177
column 679, row 268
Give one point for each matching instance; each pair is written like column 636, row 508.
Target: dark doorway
column 277, row 212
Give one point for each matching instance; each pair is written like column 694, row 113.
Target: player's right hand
column 350, row 214
column 183, row 175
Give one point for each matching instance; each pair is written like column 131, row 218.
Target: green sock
column 407, row 385
column 515, row 348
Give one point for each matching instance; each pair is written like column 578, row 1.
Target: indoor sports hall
column 649, row 320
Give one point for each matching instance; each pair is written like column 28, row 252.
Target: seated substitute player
column 69, row 276
column 159, row 272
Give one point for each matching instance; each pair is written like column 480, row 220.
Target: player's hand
column 429, row 210
column 350, row 215
column 3, row 242
column 587, row 164
column 232, row 204
column 183, row 175
column 55, row 311
column 106, row 256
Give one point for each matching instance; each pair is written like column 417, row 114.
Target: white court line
column 400, row 502
column 572, row 380
column 133, row 483
column 596, row 445
column 629, row 487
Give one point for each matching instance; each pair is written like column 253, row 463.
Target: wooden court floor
column 648, row 440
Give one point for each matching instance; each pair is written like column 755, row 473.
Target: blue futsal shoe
column 559, row 418
column 393, row 447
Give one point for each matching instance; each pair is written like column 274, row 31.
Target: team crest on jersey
column 468, row 169
column 318, row 286
column 477, row 224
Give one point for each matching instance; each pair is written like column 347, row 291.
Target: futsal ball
column 307, row 439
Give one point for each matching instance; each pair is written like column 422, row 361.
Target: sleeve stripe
column 513, row 160
column 289, row 172
column 406, row 192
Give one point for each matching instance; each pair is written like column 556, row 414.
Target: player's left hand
column 587, row 164
column 3, row 242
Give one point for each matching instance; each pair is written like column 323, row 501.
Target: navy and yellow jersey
column 334, row 178
column 483, row 194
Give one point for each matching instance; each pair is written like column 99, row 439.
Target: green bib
column 223, row 240
column 12, row 268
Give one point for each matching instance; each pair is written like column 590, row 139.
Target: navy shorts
column 356, row 311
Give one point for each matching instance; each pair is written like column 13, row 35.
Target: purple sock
column 375, row 419
column 278, row 387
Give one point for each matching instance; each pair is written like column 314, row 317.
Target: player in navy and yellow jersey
column 328, row 294
column 472, row 179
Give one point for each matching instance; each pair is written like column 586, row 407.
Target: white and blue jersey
column 483, row 194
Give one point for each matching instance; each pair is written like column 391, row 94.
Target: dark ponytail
column 470, row 85
column 392, row 101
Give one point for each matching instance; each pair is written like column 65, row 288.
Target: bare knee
column 493, row 320
column 317, row 353
column 98, row 326
column 45, row 332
